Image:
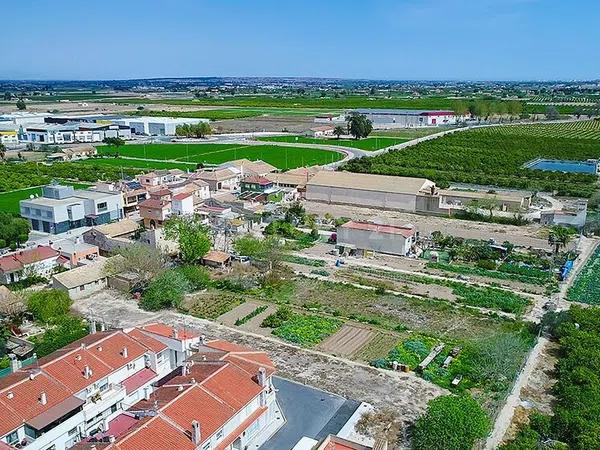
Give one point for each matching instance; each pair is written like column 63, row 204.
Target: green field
column 135, row 163
column 586, row 288
column 370, row 143
column 232, row 113
column 9, row 201
column 495, row 156
column 282, row 157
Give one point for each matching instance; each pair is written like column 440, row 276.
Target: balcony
column 97, row 403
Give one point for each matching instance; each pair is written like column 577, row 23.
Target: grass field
column 136, row 163
column 234, row 113
column 9, row 201
column 495, row 156
column 279, row 156
column 370, row 143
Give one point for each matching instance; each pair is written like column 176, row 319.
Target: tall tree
column 21, row 104
column 359, row 126
column 141, row 260
column 338, row 131
column 192, row 236
column 559, row 236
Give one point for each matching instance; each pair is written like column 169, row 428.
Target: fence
column 26, row 362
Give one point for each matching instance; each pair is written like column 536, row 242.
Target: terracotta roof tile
column 157, row 434
column 148, row 341
column 70, row 369
column 111, row 350
column 233, row 386
column 167, row 331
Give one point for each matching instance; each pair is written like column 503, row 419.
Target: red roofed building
column 154, row 212
column 40, row 261
column 222, row 399
column 83, row 388
column 360, row 238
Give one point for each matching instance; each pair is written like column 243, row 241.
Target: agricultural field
column 282, row 157
column 494, row 156
column 137, row 163
column 347, row 341
column 211, row 304
column 588, row 129
column 9, row 201
column 369, row 144
column 586, row 288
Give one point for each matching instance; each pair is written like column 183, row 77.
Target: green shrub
column 48, row 304
column 196, row 276
column 65, row 330
column 252, row 314
column 283, row 313
column 165, row 291
column 451, row 422
column 486, row 264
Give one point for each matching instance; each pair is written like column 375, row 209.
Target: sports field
column 369, row 144
column 282, row 157
column 9, row 201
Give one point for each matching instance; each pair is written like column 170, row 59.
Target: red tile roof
column 111, row 350
column 182, row 196
column 231, row 437
column 157, row 434
column 167, row 331
column 154, row 204
column 70, row 370
column 257, row 179
column 17, row 261
column 233, row 386
column 377, row 228
column 148, row 341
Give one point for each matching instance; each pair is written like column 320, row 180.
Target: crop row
column 586, row 288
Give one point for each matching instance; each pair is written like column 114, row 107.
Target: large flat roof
column 403, row 112
column 368, row 182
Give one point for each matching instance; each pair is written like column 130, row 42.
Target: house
column 218, row 179
column 373, row 191
column 572, row 216
column 360, row 238
column 294, row 178
column 407, row 118
column 62, row 208
column 76, row 251
column 133, row 193
column 112, row 236
column 73, row 152
column 160, row 177
column 82, row 391
column 199, row 189
column 154, row 212
column 183, row 204
column 321, row 131
column 216, row 259
column 40, row 261
column 83, row 280
column 255, row 183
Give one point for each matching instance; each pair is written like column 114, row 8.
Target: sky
column 359, row 39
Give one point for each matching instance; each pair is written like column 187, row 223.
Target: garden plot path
column 253, row 325
column 350, row 379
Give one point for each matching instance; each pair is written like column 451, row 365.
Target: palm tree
column 2, row 151
column 559, row 236
column 338, row 131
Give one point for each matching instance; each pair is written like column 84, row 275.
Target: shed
column 82, row 281
column 217, row 259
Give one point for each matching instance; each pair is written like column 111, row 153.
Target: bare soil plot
column 378, row 347
column 349, row 339
column 236, row 313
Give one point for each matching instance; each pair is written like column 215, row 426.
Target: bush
column 49, row 304
column 165, row 291
column 486, row 264
column 254, row 313
column 453, row 422
column 66, row 329
column 196, row 276
column 276, row 319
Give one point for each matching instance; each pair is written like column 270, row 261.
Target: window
column 81, row 288
column 220, row 434
column 113, row 408
column 102, row 206
column 206, row 446
column 13, row 437
column 73, row 431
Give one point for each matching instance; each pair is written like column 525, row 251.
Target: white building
column 40, row 261
column 62, row 208
column 407, row 118
column 156, row 126
column 360, row 238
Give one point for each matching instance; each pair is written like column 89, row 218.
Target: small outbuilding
column 82, row 281
column 361, row 238
column 217, row 259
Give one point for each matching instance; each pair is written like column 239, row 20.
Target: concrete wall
column 369, row 199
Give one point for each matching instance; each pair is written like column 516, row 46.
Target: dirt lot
column 528, row 235
column 337, row 375
column 293, row 124
column 347, row 341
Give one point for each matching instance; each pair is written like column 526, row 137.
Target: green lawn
column 370, row 143
column 9, row 201
column 279, row 156
column 233, row 113
column 136, row 163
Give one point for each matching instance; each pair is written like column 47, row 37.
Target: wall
column 370, row 199
column 393, row 244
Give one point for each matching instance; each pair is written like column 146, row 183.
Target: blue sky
column 377, row 39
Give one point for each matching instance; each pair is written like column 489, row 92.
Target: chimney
column 87, row 372
column 15, row 364
column 92, row 326
column 196, row 436
column 124, row 352
column 147, row 394
column 203, row 339
column 261, row 377
column 43, row 398
column 175, row 334
column 184, row 369
column 102, row 326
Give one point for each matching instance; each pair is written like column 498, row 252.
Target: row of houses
column 151, row 386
